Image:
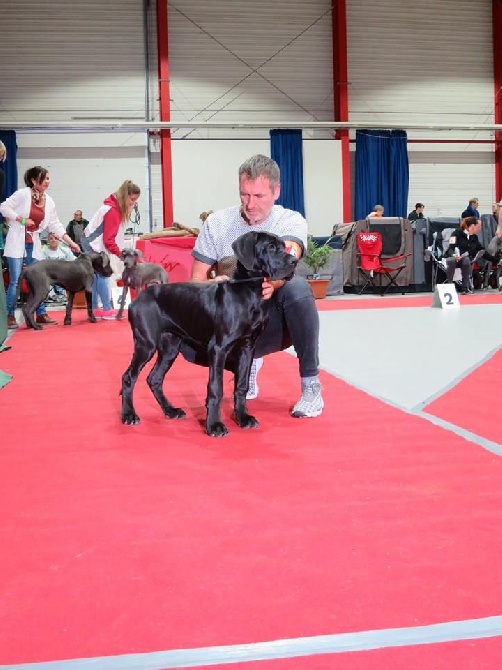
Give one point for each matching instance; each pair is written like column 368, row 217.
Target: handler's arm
column 200, row 273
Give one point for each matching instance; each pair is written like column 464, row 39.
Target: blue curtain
column 8, row 137
column 286, row 148
column 382, row 172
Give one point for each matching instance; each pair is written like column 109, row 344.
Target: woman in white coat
column 27, row 212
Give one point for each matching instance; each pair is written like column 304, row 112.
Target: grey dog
column 138, row 275
column 74, row 276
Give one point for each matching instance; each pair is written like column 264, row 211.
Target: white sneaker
column 253, row 389
column 311, row 403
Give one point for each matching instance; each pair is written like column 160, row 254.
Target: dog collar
column 239, row 281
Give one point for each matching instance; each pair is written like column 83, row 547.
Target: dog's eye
column 271, row 246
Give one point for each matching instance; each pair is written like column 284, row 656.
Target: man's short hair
column 261, row 166
column 473, row 200
column 419, row 204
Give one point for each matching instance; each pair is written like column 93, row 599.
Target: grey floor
column 408, row 356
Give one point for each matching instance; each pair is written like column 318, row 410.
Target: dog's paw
column 130, row 418
column 174, row 413
column 246, row 421
column 216, row 429
column 92, row 319
column 36, row 326
column 67, row 321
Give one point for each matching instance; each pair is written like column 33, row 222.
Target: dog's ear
column 244, row 249
column 139, row 255
column 105, row 258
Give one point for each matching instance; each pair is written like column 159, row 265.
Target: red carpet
column 133, row 539
column 472, row 404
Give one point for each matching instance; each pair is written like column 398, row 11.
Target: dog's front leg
column 241, row 382
column 69, row 307
column 122, row 302
column 214, row 425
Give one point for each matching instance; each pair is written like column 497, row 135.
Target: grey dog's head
column 101, row 263
column 131, row 257
column 264, row 255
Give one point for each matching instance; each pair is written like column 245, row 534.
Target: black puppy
column 74, row 276
column 222, row 319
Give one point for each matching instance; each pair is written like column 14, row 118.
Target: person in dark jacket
column 464, row 247
column 77, row 226
column 472, row 209
column 417, row 213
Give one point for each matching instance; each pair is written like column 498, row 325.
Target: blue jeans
column 15, row 267
column 101, row 289
column 100, row 285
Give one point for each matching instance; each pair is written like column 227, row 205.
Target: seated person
column 55, row 251
column 472, row 209
column 464, row 247
column 377, row 211
column 417, row 213
column 495, row 213
column 494, row 248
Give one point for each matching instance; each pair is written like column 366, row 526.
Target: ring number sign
column 446, row 296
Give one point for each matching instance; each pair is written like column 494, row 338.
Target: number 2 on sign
column 448, row 296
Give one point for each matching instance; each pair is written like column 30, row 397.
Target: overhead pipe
column 137, row 126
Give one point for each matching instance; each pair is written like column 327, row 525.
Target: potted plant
column 316, row 258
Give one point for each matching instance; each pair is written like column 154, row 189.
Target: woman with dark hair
column 28, row 211
column 463, row 248
column 105, row 232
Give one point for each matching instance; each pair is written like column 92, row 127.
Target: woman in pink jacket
column 105, row 232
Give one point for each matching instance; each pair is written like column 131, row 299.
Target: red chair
column 372, row 265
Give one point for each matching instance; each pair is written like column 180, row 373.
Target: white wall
column 205, row 176
column 84, row 169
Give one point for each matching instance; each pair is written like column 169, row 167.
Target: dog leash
column 240, row 281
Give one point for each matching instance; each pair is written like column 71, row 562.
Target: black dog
column 74, row 276
column 138, row 275
column 223, row 319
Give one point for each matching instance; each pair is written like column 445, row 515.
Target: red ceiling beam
column 497, row 82
column 341, row 97
column 165, row 113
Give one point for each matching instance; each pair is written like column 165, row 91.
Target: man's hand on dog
column 268, row 287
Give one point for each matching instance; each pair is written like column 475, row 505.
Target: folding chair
column 371, row 264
